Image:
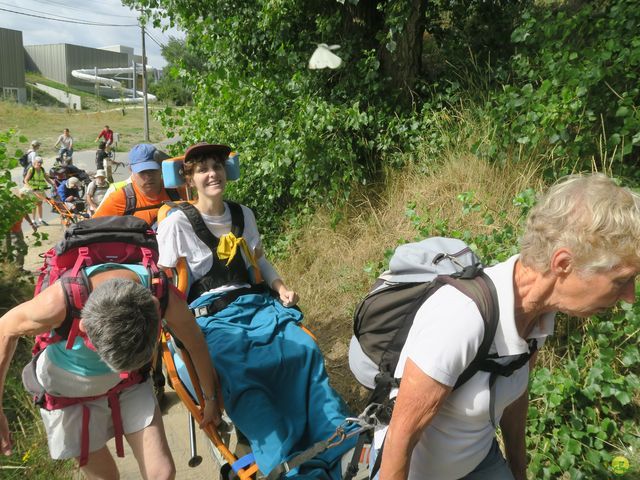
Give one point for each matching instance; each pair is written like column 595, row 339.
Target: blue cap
column 143, row 157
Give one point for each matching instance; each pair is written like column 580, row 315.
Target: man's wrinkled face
column 148, row 181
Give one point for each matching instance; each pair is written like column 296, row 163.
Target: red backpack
column 124, row 240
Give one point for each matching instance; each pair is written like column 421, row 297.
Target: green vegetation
column 30, row 456
column 171, row 87
column 572, row 86
column 445, row 118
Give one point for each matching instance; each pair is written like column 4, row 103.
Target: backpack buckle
column 468, row 272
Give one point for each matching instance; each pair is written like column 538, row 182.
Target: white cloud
column 38, row 31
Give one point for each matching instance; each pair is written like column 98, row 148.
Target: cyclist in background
column 100, row 155
column 107, row 134
column 66, row 144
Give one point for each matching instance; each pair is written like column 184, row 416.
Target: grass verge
column 46, row 124
column 30, row 457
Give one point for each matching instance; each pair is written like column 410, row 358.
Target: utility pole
column 144, row 83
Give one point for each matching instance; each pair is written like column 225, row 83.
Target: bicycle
column 110, row 160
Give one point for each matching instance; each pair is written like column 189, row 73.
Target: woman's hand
column 289, row 298
column 210, row 412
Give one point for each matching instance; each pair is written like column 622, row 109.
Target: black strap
column 130, row 199
column 352, row 468
column 225, row 300
column 220, row 273
column 483, row 292
column 378, row 462
column 280, row 470
column 198, row 225
column 200, row 228
column 490, row 365
column 173, row 194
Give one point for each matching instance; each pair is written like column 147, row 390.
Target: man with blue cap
column 146, row 193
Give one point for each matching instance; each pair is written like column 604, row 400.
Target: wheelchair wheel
column 227, row 473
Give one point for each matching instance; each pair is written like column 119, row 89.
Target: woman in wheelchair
column 273, row 381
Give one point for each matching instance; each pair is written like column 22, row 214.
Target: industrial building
column 12, row 66
column 57, row 61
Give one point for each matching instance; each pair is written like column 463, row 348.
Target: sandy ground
column 175, row 415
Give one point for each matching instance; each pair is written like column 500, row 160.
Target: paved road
column 82, row 159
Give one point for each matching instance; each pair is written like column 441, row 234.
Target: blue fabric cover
column 274, row 383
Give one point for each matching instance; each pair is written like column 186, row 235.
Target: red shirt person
column 107, row 134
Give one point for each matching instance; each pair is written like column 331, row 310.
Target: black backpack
column 384, row 317
column 24, row 160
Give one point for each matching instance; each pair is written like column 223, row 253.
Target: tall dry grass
column 326, row 265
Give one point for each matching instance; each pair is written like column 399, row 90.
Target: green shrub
column 571, row 87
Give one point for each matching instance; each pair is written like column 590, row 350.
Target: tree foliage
column 13, row 207
column 305, row 136
column 172, row 85
column 572, row 85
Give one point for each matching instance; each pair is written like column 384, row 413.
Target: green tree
column 172, row 86
column 305, row 136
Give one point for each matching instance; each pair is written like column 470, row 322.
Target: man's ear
column 562, row 261
column 81, row 326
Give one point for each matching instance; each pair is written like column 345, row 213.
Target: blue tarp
column 274, row 383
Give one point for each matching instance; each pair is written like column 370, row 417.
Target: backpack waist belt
column 225, row 300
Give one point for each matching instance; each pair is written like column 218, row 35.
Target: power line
column 151, row 37
column 95, row 24
column 71, row 7
column 36, row 11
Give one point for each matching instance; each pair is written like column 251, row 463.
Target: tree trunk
column 403, row 65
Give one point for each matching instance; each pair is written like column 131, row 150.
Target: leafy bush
column 572, row 85
column 13, row 208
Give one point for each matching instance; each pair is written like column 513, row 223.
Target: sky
column 39, row 31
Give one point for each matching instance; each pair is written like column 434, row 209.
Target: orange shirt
column 115, row 204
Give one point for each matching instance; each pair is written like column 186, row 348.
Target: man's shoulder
column 115, row 201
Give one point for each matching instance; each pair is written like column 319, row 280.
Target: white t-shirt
column 460, row 435
column 177, row 239
column 66, row 142
column 444, row 338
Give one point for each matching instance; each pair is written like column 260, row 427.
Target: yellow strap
column 228, row 247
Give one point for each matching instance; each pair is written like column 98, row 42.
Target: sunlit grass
column 46, row 124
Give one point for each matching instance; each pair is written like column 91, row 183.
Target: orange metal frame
column 247, row 473
column 67, row 216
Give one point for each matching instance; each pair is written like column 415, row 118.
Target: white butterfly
column 323, row 57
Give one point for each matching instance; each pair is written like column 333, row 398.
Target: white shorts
column 64, row 426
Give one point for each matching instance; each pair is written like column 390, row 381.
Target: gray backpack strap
column 130, row 197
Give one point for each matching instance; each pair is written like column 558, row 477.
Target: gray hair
column 122, row 321
column 590, row 215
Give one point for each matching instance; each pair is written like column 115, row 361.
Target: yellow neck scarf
column 228, row 247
